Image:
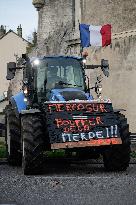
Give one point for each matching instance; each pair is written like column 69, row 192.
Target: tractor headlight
column 84, row 61
column 5, row 94
column 25, row 90
column 36, row 62
column 25, row 99
column 99, row 88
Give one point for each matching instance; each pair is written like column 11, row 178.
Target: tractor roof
column 45, row 57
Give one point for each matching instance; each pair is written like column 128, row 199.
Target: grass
column 2, row 150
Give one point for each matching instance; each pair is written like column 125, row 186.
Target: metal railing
column 133, row 138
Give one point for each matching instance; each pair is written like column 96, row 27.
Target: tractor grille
column 73, row 95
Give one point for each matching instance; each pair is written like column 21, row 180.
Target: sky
column 16, row 12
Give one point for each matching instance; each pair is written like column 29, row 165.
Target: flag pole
column 81, row 48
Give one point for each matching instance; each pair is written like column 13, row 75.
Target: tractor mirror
column 11, row 68
column 105, row 67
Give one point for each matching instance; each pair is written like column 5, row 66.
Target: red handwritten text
column 78, row 125
column 69, row 107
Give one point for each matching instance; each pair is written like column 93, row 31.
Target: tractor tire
column 33, row 144
column 117, row 157
column 13, row 138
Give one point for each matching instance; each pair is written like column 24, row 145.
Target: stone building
column 12, row 45
column 59, row 20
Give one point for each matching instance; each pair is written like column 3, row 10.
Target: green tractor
column 56, row 110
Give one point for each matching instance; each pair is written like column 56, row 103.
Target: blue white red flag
column 95, row 35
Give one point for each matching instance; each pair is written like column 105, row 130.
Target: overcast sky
column 16, row 12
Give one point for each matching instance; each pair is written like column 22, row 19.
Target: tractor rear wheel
column 13, row 138
column 33, row 145
column 117, row 157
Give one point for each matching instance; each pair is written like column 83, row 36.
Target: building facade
column 12, row 46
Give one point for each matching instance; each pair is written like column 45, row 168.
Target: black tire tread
column 117, row 157
column 32, row 134
column 15, row 157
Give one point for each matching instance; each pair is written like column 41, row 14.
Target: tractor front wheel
column 117, row 157
column 32, row 136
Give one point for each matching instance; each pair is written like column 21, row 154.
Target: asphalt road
column 75, row 184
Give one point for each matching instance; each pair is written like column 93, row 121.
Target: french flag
column 95, row 35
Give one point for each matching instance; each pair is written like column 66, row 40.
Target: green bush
column 133, row 154
column 2, row 143
column 56, row 153
column 2, row 150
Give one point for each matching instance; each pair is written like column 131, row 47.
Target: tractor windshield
column 59, row 73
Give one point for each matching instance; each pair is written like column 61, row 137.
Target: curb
column 3, row 161
column 132, row 161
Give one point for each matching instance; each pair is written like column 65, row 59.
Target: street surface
column 78, row 184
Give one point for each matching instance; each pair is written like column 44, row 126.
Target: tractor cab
column 59, row 78
column 56, row 78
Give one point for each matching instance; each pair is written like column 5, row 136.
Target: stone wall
column 55, row 22
column 55, row 13
column 60, row 18
column 121, row 84
column 121, row 14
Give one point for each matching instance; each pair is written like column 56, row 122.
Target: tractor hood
column 68, row 94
